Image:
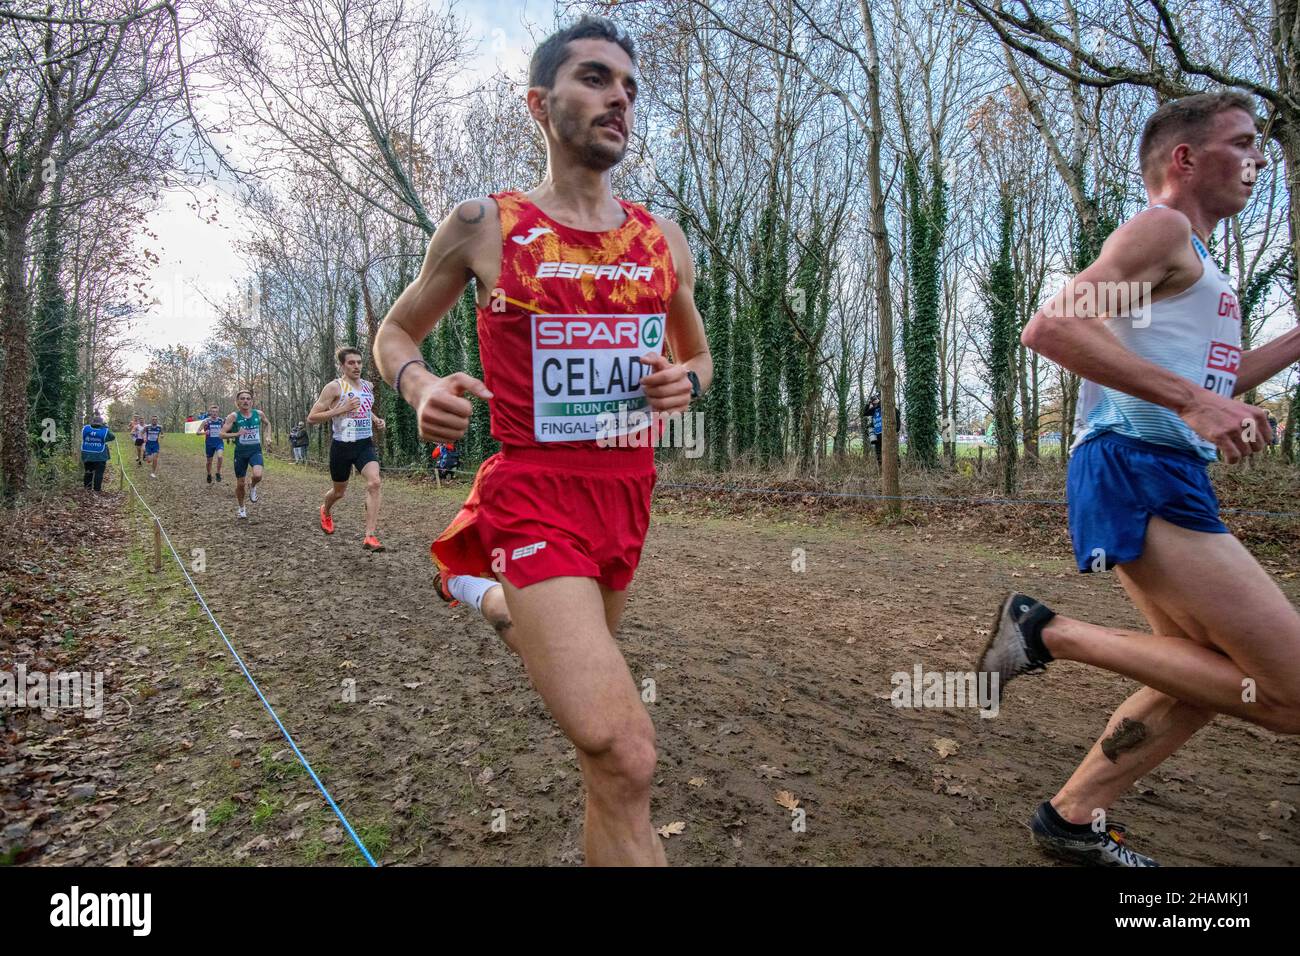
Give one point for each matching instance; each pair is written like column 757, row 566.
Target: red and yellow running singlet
column 562, row 333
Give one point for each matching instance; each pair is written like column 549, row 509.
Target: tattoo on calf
column 1127, row 736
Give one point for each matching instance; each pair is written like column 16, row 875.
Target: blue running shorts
column 1116, row 483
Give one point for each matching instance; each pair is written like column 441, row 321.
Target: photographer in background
column 94, row 451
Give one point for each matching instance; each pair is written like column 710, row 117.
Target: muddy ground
column 771, row 686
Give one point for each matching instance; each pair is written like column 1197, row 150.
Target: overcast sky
column 198, row 259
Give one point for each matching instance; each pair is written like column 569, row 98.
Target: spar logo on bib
column 652, row 333
column 587, row 368
column 1222, row 362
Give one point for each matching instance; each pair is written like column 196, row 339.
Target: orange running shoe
column 372, row 543
column 441, row 581
column 326, row 522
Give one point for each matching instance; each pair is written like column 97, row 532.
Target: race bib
column 1221, row 364
column 587, row 374
column 250, row 436
column 358, row 424
column 214, row 428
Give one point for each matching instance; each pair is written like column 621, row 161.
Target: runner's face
column 352, row 367
column 591, row 104
column 1228, row 163
column 245, row 403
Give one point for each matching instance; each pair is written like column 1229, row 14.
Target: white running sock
column 468, row 589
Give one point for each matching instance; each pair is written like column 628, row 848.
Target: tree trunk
column 372, row 324
column 17, row 355
column 880, row 248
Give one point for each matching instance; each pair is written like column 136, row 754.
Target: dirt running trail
column 765, row 681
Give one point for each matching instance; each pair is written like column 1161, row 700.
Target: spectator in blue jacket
column 94, row 451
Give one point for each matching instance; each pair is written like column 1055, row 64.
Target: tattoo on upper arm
column 471, row 220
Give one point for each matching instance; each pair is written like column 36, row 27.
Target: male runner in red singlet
column 577, row 293
column 1159, row 403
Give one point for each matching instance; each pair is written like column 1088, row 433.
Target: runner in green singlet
column 250, row 429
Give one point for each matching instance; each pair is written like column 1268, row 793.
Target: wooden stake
column 157, row 547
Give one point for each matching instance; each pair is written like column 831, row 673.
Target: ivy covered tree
column 743, row 422
column 771, row 328
column 354, row 305
column 927, row 216
column 801, row 356
column 842, row 383
column 999, row 290
column 52, row 391
column 479, row 443
column 716, row 309
column 1251, row 296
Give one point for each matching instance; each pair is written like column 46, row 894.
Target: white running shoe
column 252, row 493
column 243, row 512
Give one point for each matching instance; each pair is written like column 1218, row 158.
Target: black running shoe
column 1008, row 653
column 218, row 476
column 209, row 479
column 1093, row 849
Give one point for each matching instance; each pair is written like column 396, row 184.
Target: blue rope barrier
column 240, row 661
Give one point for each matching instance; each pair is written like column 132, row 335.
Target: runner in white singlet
column 347, row 403
column 1159, row 405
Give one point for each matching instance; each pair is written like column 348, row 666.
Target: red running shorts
column 536, row 513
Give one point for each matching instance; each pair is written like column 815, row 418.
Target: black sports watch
column 696, row 391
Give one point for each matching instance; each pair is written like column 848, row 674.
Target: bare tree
column 1174, row 50
column 76, row 83
column 361, row 89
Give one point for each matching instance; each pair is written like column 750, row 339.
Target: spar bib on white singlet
column 358, row 424
column 1195, row 334
column 1222, row 361
column 587, row 374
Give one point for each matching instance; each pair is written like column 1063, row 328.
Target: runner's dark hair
column 553, row 52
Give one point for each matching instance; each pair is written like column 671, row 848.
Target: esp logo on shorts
column 527, row 550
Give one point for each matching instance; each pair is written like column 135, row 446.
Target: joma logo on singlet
column 576, row 270
column 557, row 333
column 535, row 233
